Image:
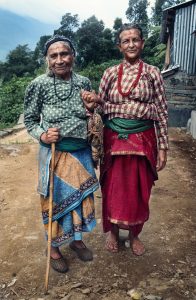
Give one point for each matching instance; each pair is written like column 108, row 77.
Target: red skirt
column 126, row 176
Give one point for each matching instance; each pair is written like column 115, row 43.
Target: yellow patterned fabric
column 73, row 203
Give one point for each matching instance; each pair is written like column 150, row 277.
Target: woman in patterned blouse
column 135, row 139
column 55, row 113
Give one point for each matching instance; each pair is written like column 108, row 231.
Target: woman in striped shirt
column 135, row 139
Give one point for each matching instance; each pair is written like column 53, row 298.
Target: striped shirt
column 146, row 101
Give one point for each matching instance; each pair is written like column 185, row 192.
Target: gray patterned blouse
column 44, row 108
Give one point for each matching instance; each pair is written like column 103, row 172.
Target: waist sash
column 68, row 144
column 126, row 126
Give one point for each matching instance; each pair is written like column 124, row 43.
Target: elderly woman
column 135, row 117
column 55, row 113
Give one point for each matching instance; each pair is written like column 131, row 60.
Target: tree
column 154, row 52
column 19, row 62
column 158, row 9
column 90, row 41
column 109, row 47
column 117, row 25
column 69, row 25
column 157, row 12
column 137, row 14
column 38, row 57
column 95, row 44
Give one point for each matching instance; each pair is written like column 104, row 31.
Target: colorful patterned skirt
column 73, row 203
column 127, row 175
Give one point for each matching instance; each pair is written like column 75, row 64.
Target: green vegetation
column 11, row 100
column 95, row 72
column 96, row 51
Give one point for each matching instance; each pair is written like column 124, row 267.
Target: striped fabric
column 146, row 101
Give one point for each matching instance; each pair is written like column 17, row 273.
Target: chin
column 61, row 73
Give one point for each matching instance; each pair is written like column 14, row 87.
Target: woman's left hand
column 161, row 159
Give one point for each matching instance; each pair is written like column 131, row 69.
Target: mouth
column 60, row 68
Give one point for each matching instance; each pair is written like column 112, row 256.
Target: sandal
column 59, row 264
column 83, row 253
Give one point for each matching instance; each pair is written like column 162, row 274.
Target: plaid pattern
column 146, row 101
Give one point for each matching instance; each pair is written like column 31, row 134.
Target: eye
column 136, row 40
column 125, row 42
column 52, row 56
column 65, row 53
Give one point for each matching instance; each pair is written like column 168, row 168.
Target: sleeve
column 32, row 110
column 87, row 87
column 104, row 85
column 162, row 110
column 103, row 90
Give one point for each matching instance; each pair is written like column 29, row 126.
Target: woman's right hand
column 52, row 135
column 90, row 99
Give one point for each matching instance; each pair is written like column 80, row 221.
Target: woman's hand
column 90, row 99
column 51, row 136
column 161, row 159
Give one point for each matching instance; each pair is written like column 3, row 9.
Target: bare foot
column 137, row 246
column 55, row 253
column 112, row 240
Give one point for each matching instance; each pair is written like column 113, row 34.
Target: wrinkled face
column 131, row 44
column 60, row 59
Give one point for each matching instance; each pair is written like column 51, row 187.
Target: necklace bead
column 135, row 82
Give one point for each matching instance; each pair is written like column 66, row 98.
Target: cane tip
column 46, row 292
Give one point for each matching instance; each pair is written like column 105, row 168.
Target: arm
column 92, row 100
column 32, row 115
column 89, row 97
column 32, row 110
column 162, row 124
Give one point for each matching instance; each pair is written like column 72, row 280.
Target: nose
column 59, row 59
column 131, row 43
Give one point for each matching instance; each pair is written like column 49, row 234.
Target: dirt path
column 166, row 271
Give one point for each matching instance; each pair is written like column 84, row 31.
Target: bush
column 11, row 100
column 95, row 72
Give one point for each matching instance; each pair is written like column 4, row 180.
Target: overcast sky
column 51, row 11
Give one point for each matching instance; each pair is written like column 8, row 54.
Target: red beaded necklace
column 135, row 82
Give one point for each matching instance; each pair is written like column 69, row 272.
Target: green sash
column 126, row 126
column 68, row 144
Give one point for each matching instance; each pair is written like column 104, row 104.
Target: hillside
column 15, row 30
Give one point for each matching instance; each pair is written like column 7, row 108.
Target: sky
column 51, row 11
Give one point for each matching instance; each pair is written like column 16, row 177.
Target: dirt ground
column 166, row 271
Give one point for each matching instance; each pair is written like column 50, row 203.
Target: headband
column 58, row 38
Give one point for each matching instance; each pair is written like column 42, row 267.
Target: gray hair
column 128, row 26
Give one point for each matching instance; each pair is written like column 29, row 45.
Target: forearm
column 161, row 159
column 162, row 135
column 33, row 127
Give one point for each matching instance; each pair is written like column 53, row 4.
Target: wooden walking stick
column 50, row 215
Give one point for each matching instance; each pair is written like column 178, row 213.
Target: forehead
column 58, row 47
column 130, row 33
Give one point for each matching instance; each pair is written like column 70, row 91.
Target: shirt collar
column 130, row 66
